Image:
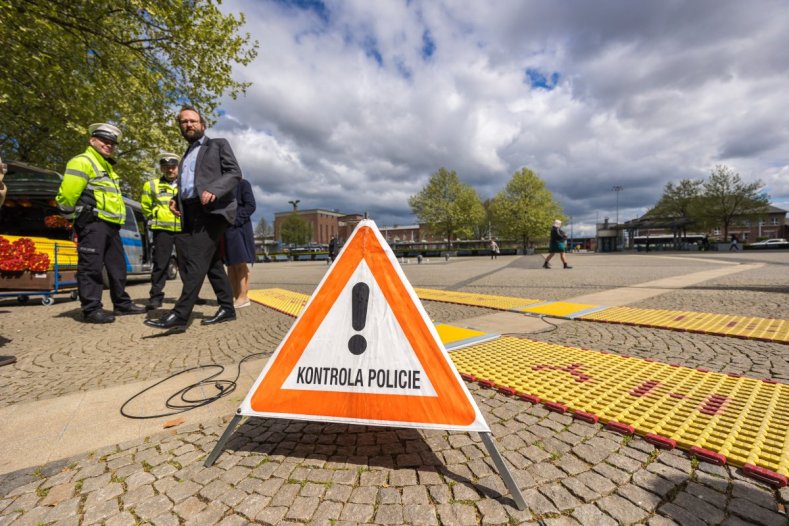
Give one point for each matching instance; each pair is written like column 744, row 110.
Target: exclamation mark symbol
column 359, row 296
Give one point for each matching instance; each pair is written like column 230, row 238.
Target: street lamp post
column 617, row 188
column 571, row 234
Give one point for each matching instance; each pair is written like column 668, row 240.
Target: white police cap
column 169, row 159
column 105, row 131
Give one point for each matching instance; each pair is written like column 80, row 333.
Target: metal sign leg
column 504, row 471
column 220, row 445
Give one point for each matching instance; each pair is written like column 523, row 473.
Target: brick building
column 327, row 223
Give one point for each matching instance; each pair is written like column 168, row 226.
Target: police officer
column 90, row 193
column 155, row 201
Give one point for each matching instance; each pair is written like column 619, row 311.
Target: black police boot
column 98, row 316
column 130, row 309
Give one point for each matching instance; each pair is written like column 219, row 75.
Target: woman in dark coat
column 558, row 245
column 239, row 244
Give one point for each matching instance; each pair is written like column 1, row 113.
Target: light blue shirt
column 187, row 175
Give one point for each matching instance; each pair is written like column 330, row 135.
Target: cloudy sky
column 355, row 103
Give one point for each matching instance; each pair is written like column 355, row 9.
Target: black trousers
column 198, row 256
column 163, row 241
column 99, row 246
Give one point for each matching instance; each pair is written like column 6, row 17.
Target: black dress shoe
column 171, row 321
column 131, row 309
column 221, row 315
column 98, row 316
column 7, row 360
column 153, row 304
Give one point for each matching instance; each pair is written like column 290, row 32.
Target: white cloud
column 354, row 105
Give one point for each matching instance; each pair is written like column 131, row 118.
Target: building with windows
column 324, row 223
column 673, row 232
column 328, row 223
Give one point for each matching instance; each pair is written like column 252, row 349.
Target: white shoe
column 238, row 305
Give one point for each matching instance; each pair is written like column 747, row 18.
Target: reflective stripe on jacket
column 91, row 182
column 155, row 202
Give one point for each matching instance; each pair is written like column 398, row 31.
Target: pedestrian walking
column 206, row 204
column 494, row 249
column 734, row 246
column 558, row 245
column 162, row 222
column 90, row 194
column 332, row 248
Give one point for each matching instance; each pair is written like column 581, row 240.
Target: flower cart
column 37, row 267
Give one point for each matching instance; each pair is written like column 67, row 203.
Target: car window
column 130, row 223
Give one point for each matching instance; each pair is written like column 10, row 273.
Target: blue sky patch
column 316, row 6
column 538, row 79
column 370, row 46
column 428, row 45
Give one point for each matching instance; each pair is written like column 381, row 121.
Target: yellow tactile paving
column 744, row 419
column 478, row 300
column 292, row 303
column 557, row 308
column 765, row 329
column 721, row 324
column 284, row 301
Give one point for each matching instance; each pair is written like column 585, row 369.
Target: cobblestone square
column 294, row 472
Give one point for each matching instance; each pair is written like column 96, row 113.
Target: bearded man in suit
column 206, row 204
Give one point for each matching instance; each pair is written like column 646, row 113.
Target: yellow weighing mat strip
column 284, row 301
column 746, row 327
column 719, row 417
column 292, row 303
column 559, row 309
column 720, row 324
column 477, row 300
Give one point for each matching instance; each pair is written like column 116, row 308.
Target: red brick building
column 328, row 223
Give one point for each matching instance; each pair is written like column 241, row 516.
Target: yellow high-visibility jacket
column 90, row 181
column 155, row 202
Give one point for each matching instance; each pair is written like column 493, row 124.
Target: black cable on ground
column 224, row 388
column 542, row 317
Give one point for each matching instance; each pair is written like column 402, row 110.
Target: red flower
column 21, row 255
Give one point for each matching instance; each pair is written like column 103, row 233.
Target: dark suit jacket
column 217, row 171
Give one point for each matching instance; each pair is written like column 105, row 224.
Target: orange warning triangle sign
column 364, row 351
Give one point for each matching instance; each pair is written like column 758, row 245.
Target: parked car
column 771, row 243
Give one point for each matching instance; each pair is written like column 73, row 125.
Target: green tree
column 680, row 206
column 68, row 63
column 725, row 197
column 448, row 206
column 525, row 209
column 295, row 230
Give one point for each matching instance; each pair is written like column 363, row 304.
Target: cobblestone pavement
column 288, row 472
